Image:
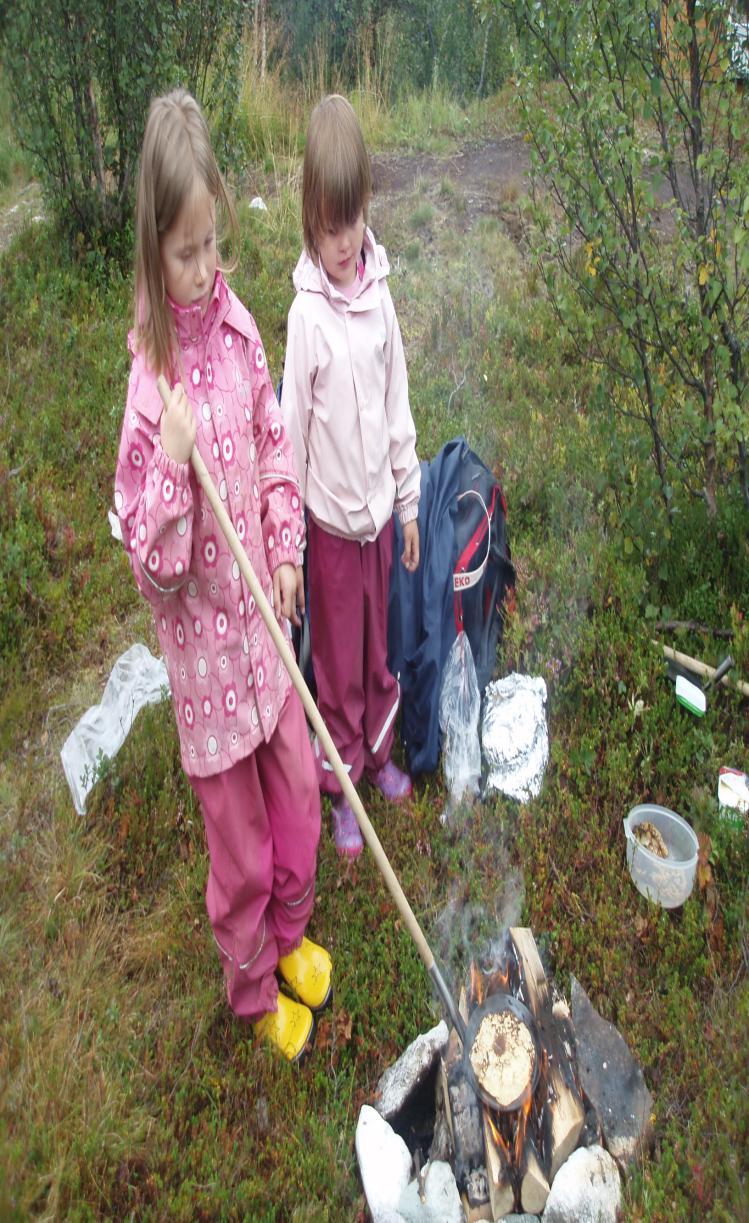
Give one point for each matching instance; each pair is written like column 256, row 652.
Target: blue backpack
column 464, row 576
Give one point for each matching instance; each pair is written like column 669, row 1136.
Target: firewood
column 532, row 969
column 563, row 1113
column 453, row 1052
column 534, row 1187
column 501, row 1191
column 443, row 1099
column 477, row 1214
column 566, row 1117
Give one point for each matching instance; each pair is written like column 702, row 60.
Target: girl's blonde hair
column 176, row 157
column 337, row 181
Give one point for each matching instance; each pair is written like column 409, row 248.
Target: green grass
column 421, row 216
column 126, row 1087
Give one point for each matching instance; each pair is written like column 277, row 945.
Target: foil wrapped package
column 514, row 735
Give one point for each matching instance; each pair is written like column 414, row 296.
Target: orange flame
column 477, row 985
column 496, row 1134
column 499, row 980
column 482, row 985
column 521, row 1130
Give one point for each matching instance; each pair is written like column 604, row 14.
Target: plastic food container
column 668, row 881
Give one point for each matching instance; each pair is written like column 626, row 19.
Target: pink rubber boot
column 346, row 833
column 392, row 783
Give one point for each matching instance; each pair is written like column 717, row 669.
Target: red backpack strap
column 463, row 579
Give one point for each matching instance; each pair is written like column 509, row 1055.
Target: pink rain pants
column 262, row 822
column 356, row 694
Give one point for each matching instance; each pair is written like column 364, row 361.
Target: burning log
column 527, row 1143
column 563, row 1113
column 498, row 1168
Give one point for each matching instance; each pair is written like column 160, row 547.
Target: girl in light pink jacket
column 242, row 730
column 345, row 404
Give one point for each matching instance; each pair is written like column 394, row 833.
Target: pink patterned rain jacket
column 228, row 682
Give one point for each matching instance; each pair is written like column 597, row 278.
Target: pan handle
column 313, row 713
column 449, row 1002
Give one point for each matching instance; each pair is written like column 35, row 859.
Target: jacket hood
column 313, row 278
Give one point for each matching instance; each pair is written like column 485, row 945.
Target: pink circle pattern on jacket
column 228, row 683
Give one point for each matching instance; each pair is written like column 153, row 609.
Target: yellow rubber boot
column 290, row 1027
column 308, row 970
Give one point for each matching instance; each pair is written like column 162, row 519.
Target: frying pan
column 328, row 746
column 498, row 1005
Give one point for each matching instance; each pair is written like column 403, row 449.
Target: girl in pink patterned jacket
column 345, row 402
column 242, row 731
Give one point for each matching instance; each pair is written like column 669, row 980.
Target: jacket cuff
column 285, row 556
column 179, row 472
column 407, row 513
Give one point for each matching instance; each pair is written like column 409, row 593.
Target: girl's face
column 339, row 250
column 188, row 252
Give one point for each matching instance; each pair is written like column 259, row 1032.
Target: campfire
column 531, row 1107
column 521, row 1052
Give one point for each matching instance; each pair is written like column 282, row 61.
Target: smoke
column 465, row 929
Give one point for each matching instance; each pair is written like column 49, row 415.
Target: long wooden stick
column 315, row 717
column 697, row 667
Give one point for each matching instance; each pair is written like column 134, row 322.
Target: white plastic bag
column 460, row 705
column 137, row 679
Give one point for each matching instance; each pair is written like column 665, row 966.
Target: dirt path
column 489, row 176
column 485, row 170
column 492, row 175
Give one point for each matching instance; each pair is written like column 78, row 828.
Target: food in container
column 667, row 880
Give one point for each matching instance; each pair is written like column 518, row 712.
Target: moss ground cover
column 127, row 1088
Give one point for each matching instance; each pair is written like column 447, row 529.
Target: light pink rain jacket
column 345, row 401
column 228, row 683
